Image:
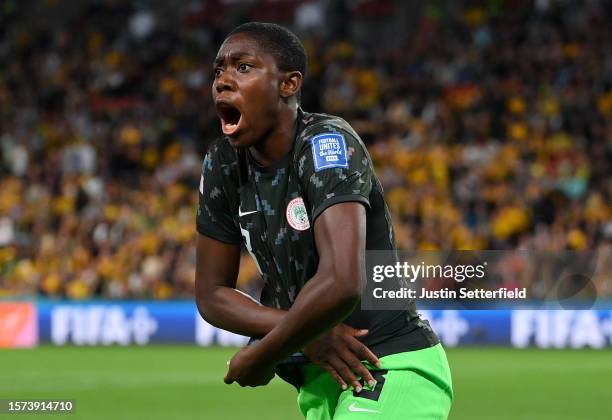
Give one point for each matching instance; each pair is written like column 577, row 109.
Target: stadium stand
column 490, row 126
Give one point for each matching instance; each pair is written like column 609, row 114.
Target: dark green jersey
column 273, row 210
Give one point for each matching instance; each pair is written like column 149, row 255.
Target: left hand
column 247, row 370
column 340, row 353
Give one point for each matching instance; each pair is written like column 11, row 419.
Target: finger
column 363, row 352
column 347, row 329
column 228, row 379
column 360, row 333
column 357, row 367
column 362, row 371
column 334, row 374
column 360, row 349
column 345, row 372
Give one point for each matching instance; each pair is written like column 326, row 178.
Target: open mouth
column 230, row 117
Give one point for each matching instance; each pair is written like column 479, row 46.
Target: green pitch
column 187, row 383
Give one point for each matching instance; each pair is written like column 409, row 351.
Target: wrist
column 269, row 351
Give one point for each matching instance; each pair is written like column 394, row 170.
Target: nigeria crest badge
column 297, row 216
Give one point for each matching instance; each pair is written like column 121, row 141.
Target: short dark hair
column 278, row 41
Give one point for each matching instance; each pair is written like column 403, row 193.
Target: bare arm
column 219, row 303
column 331, row 295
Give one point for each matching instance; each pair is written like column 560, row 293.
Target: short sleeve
column 334, row 167
column 214, row 218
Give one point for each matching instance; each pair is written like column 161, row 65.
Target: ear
column 290, row 84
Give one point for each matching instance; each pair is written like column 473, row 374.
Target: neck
column 278, row 142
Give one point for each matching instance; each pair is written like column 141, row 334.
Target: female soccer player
column 299, row 190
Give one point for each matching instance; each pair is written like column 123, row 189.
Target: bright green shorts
column 413, row 385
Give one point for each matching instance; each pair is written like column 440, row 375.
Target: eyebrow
column 235, row 56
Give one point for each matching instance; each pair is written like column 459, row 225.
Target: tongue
column 228, row 128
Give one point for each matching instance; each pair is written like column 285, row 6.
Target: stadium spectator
column 490, row 128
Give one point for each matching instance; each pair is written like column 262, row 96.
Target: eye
column 218, row 72
column 244, row 67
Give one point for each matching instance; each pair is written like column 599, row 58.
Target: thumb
column 228, row 379
column 359, row 333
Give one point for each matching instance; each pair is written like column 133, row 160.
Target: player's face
column 246, row 90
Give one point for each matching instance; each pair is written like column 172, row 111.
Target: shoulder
column 314, row 124
column 329, row 141
column 220, row 158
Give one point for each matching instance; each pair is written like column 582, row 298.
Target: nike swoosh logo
column 240, row 213
column 355, row 409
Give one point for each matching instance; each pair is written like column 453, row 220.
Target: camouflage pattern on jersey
column 274, row 209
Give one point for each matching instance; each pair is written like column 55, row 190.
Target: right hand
column 340, row 353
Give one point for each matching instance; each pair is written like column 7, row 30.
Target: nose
column 224, row 82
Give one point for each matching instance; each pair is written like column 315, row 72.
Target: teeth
column 229, row 128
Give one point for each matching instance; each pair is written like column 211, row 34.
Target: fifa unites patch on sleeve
column 329, row 151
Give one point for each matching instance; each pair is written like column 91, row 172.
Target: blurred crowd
column 490, row 128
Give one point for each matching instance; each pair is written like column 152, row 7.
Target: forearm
column 320, row 305
column 331, row 294
column 234, row 311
